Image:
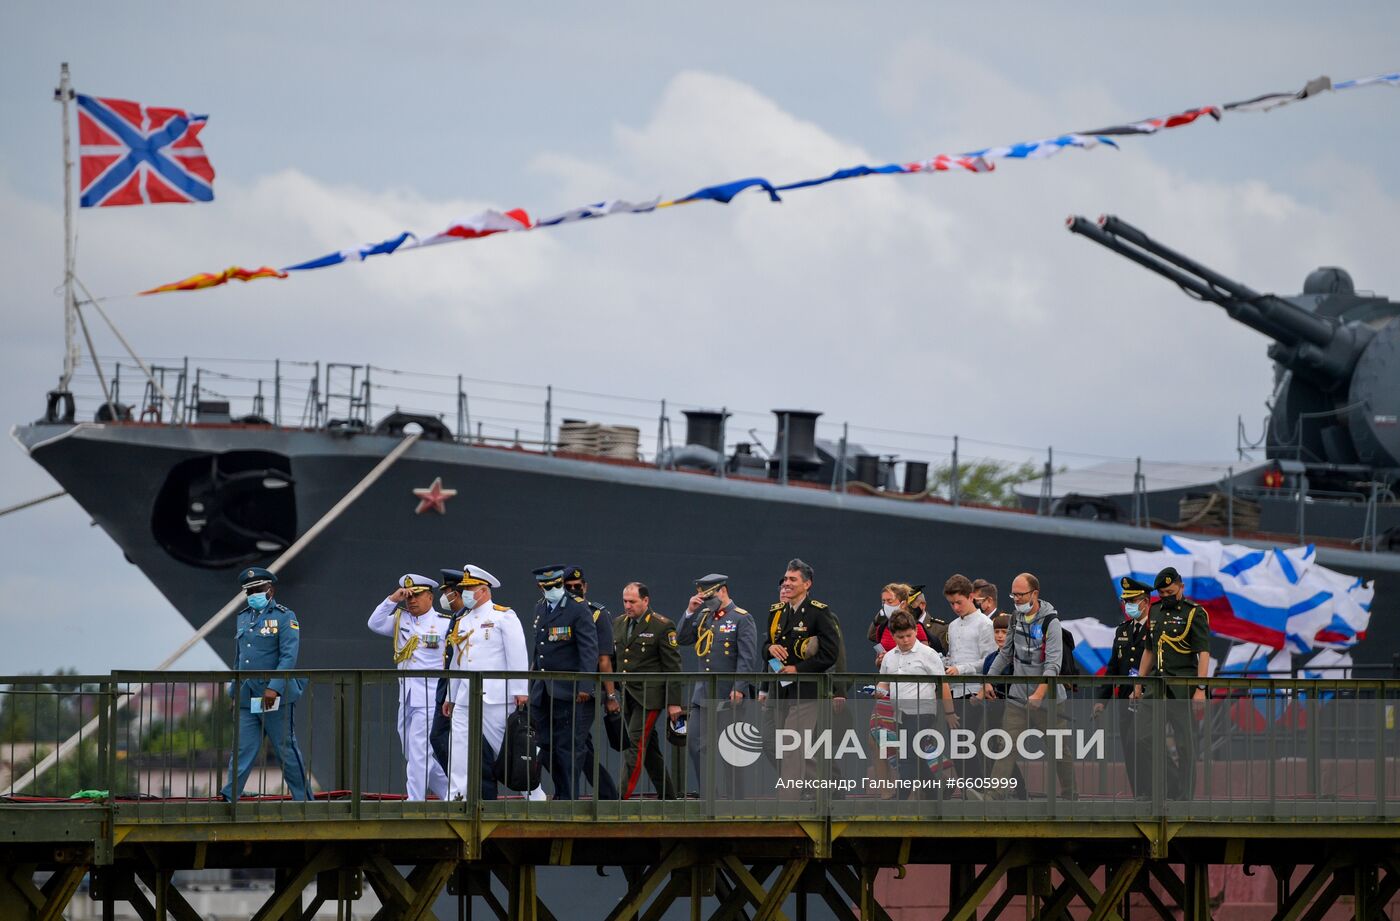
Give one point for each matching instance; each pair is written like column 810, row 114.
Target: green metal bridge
column 1299, row 779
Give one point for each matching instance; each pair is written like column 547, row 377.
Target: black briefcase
column 518, row 765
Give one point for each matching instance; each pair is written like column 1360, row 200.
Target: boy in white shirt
column 918, row 703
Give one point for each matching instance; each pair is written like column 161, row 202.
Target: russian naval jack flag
column 132, row 154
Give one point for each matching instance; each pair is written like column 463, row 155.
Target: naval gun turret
column 1336, row 354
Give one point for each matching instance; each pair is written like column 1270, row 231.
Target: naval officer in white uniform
column 487, row 638
column 419, row 636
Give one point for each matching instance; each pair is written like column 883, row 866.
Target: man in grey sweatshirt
column 1034, row 648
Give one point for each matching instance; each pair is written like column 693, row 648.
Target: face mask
column 889, row 609
column 1023, row 607
column 554, row 595
column 260, row 601
column 1131, row 610
column 444, row 603
column 469, row 600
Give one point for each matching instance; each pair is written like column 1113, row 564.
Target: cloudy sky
column 929, row 304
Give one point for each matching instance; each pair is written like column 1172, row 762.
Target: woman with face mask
column 893, row 597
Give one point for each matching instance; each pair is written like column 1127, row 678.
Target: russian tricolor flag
column 1276, row 597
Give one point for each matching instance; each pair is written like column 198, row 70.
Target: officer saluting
column 1178, row 646
column 418, row 635
column 267, row 637
column 1129, row 641
column 562, row 638
column 726, row 642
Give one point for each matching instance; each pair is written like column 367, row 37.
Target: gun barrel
column 1265, row 313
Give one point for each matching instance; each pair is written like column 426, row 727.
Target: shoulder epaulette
column 499, row 607
column 282, row 607
column 819, row 604
column 739, row 610
column 595, row 605
column 579, row 598
column 661, row 617
column 776, row 606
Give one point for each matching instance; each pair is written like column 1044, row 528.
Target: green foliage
column 985, row 481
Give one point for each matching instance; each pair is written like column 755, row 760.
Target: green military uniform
column 647, row 644
column 1179, row 631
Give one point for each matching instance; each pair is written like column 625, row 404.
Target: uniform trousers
column 280, row 729
column 440, row 735
column 1018, row 718
column 642, row 749
column 493, row 730
column 1178, row 719
column 423, row 773
column 800, row 716
column 561, row 723
column 729, row 781
column 607, row 788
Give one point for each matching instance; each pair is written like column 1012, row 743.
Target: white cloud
column 947, row 303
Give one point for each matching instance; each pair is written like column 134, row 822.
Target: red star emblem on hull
column 433, row 498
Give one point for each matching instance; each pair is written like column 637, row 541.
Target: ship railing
column 351, row 398
column 839, row 746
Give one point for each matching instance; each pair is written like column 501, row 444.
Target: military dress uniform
column 440, row 735
column 487, row 638
column 1129, row 640
column 607, row 787
column 1179, row 632
column 265, row 640
column 418, row 645
column 647, row 644
column 726, row 642
column 813, row 646
column 562, row 638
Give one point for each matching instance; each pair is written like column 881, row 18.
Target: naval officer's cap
column 450, row 578
column 257, row 577
column 914, row 592
column 1129, row 587
column 574, row 574
column 416, row 583
column 1168, row 576
column 473, row 575
column 550, row 576
column 706, row 585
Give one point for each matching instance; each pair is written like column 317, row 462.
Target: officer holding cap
column 418, row 635
column 725, row 638
column 1129, row 641
column 562, row 638
column 1178, row 646
column 267, row 636
column 487, row 637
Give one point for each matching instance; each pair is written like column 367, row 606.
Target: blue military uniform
column 266, row 639
column 562, row 638
column 603, row 620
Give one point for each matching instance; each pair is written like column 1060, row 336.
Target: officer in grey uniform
column 725, row 638
column 267, row 637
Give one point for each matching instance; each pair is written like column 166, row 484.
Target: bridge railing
column 158, row 746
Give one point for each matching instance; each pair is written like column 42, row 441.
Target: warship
column 208, row 473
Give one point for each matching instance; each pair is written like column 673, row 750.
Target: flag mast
column 64, row 95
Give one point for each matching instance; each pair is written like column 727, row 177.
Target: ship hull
column 515, row 511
